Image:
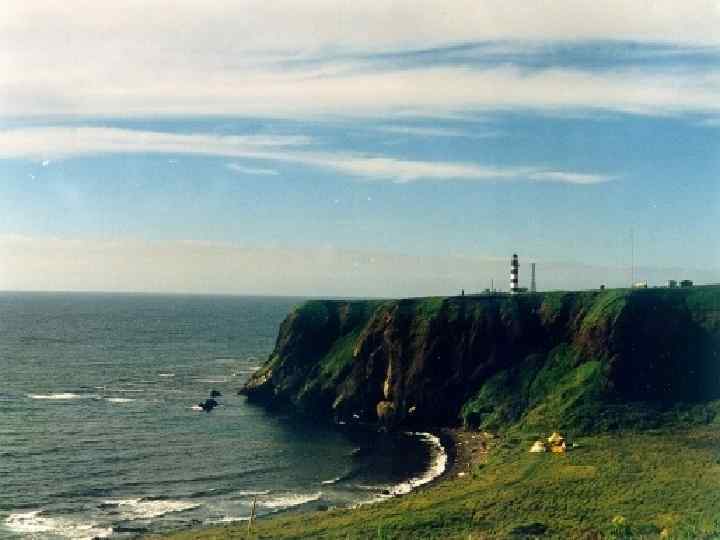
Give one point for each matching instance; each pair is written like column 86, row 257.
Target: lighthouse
column 514, row 270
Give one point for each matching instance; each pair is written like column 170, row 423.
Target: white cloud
column 65, row 141
column 52, row 142
column 569, row 178
column 242, row 169
column 422, row 131
column 222, row 57
column 423, row 90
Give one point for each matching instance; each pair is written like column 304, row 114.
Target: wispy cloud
column 54, row 142
column 360, row 59
column 424, row 90
column 44, row 143
column 568, row 178
column 255, row 171
column 422, row 131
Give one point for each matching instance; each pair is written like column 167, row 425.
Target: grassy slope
column 652, row 480
column 649, row 481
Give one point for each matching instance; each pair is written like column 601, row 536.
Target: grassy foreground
column 653, row 484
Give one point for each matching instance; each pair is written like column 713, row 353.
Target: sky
column 394, row 148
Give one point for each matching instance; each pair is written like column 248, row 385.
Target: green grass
column 539, row 393
column 334, row 364
column 628, row 485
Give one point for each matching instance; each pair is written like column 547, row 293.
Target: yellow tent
column 556, row 438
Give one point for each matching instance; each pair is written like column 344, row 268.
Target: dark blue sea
column 98, row 437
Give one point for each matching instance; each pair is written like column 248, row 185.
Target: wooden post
column 252, row 514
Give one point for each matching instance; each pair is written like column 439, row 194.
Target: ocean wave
column 437, row 467
column 290, row 500
column 166, row 374
column 32, row 523
column 246, row 493
column 140, row 509
column 225, row 519
column 211, row 380
column 62, row 396
column 342, row 478
column 119, row 400
column 332, row 481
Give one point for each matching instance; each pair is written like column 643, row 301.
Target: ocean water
column 98, row 438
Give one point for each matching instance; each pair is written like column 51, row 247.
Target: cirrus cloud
column 65, row 142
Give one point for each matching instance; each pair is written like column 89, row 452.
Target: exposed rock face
column 561, row 359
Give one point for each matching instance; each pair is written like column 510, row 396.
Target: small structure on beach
column 538, row 447
column 557, row 443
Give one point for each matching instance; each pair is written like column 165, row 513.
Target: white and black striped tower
column 514, row 270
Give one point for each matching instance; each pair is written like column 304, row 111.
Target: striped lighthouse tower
column 514, row 269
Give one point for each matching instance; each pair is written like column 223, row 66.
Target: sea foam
column 290, row 500
column 134, row 509
column 119, row 400
column 62, row 395
column 437, row 467
column 32, row 524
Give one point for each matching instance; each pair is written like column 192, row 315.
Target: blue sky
column 403, row 160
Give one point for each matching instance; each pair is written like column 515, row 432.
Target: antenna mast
column 632, row 256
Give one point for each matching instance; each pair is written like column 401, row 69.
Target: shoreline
column 464, row 449
column 454, row 447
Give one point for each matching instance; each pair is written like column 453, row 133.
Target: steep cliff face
column 582, row 360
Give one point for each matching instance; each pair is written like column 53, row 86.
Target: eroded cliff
column 580, row 360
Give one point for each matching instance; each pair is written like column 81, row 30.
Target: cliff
column 583, row 361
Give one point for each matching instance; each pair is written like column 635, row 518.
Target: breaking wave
column 290, row 500
column 139, row 509
column 32, row 524
column 62, row 396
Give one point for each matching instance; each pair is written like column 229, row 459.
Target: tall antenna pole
column 632, row 256
column 533, row 287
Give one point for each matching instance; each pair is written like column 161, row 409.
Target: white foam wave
column 332, row 481
column 119, row 400
column 226, row 519
column 32, row 524
column 211, row 380
column 132, row 509
column 291, row 500
column 62, row 395
column 243, row 493
column 437, row 466
column 166, row 374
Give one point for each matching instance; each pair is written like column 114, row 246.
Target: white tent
column 538, row 447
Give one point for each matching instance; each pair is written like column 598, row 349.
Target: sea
column 99, row 436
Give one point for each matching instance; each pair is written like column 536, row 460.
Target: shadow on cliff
column 583, row 361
